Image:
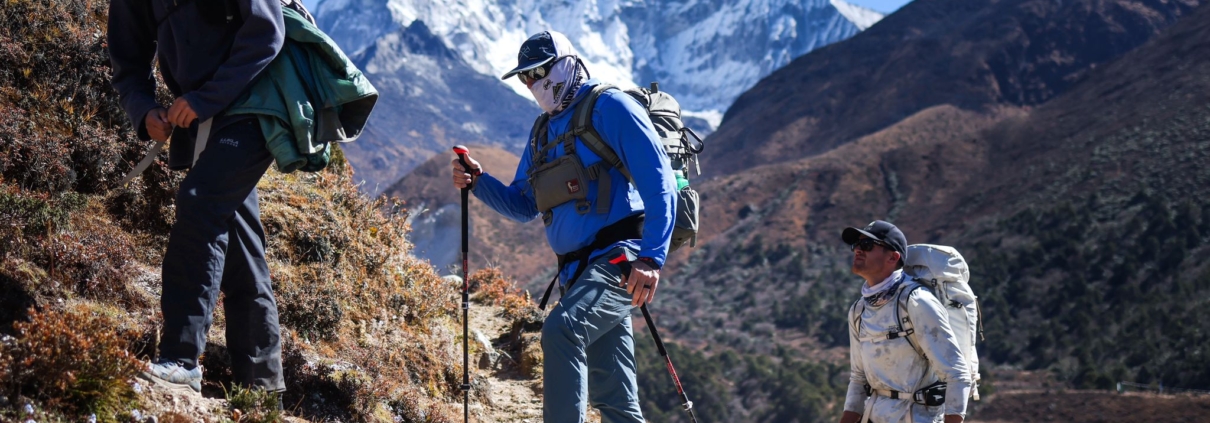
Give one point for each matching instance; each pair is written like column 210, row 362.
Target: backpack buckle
column 900, row 334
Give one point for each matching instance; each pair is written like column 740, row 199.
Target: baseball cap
column 880, row 230
column 540, row 49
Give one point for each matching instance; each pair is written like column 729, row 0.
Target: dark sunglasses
column 867, row 245
column 535, row 74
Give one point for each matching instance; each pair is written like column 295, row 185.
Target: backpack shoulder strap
column 538, row 140
column 900, row 309
column 582, row 126
column 855, row 311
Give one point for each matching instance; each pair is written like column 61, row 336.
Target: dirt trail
column 501, row 393
column 507, row 394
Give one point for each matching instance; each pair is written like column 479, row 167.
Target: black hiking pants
column 218, row 243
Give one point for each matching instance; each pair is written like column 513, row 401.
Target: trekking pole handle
column 462, row 153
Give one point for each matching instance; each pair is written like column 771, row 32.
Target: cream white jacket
column 896, row 365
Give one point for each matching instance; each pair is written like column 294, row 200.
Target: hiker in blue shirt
column 595, row 221
column 209, row 51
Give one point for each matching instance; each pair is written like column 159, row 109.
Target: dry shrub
column 72, row 244
column 490, row 286
column 58, row 130
column 375, row 324
column 30, row 213
column 74, row 361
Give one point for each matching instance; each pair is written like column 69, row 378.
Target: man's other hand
column 158, row 126
column 181, row 113
column 641, row 283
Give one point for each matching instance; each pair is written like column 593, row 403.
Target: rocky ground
column 505, row 390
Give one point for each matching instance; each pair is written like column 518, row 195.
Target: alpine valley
column 1060, row 145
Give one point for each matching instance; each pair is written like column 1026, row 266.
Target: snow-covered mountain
column 706, row 52
column 430, row 99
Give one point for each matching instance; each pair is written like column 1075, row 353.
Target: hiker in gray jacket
column 906, row 363
column 208, row 53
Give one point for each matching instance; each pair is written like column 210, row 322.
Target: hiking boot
column 173, row 373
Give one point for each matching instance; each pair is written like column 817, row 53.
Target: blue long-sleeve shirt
column 625, row 127
column 207, row 62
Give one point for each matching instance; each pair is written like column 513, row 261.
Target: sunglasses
column 535, row 74
column 867, row 245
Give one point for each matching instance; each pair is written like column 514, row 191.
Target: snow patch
column 860, row 16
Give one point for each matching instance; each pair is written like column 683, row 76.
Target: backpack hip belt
column 630, row 227
column 932, row 395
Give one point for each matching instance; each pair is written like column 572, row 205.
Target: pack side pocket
column 685, row 229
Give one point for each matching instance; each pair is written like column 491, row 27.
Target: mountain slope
column 438, row 66
column 1082, row 219
column 1086, row 206
column 430, row 100
column 969, row 54
column 707, row 52
column 368, row 331
column 517, row 249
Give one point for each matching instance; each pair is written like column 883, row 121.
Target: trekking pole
column 462, row 152
column 655, row 334
column 659, row 344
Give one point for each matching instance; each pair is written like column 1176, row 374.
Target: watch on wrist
column 650, row 262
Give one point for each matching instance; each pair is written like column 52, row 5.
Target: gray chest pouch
column 560, row 181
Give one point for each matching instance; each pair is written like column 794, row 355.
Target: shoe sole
column 183, row 388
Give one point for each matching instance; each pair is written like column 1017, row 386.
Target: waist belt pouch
column 932, row 395
column 558, row 182
column 685, row 228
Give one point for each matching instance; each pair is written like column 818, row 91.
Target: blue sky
column 884, row 6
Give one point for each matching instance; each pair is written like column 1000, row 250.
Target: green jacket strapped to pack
column 309, row 96
column 548, row 178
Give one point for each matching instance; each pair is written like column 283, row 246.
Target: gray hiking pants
column 218, row 243
column 589, row 349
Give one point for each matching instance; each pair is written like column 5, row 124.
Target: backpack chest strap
column 582, row 129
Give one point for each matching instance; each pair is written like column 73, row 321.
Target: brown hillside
column 1090, row 204
column 368, row 332
column 971, row 54
column 1091, row 407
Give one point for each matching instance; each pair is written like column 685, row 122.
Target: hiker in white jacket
column 900, row 373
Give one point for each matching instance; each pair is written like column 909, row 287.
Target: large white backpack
column 943, row 270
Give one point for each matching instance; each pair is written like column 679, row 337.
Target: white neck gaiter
column 880, row 293
column 556, row 90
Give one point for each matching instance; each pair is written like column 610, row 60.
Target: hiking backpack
column 680, row 143
column 945, row 273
